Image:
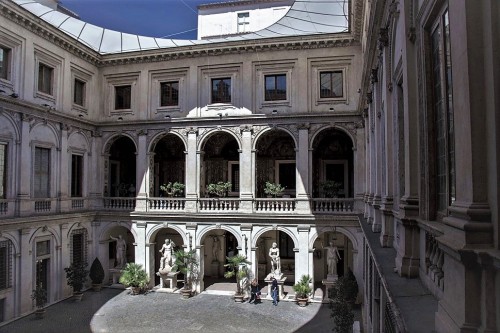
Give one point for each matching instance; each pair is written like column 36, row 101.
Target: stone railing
column 332, row 205
column 43, row 205
column 434, row 259
column 274, row 205
column 4, row 207
column 166, row 204
column 119, row 203
column 77, row 204
column 219, row 204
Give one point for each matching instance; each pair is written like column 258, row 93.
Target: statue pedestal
column 328, row 283
column 215, row 269
column 262, row 271
column 168, row 281
column 280, row 279
column 115, row 275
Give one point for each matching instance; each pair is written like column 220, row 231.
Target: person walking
column 274, row 291
column 254, row 292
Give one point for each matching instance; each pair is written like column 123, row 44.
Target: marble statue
column 274, row 253
column 166, row 251
column 215, row 248
column 332, row 257
column 121, row 249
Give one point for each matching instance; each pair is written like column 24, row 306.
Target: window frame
column 48, row 191
column 126, row 91
column 174, row 102
column 7, row 275
column 332, row 64
column 4, row 170
column 275, row 96
column 121, row 80
column 223, row 99
column 79, row 182
column 158, row 77
column 5, row 71
column 320, row 73
column 287, row 191
column 50, row 60
column 43, row 87
column 243, row 21
column 234, row 182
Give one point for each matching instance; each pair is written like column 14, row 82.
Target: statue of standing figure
column 167, row 251
column 332, row 258
column 121, row 250
column 215, row 248
column 274, row 253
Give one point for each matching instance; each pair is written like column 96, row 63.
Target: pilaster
column 24, row 194
column 302, row 171
column 142, row 172
column 192, row 170
column 64, row 195
column 246, row 189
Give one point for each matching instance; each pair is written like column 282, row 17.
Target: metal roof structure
column 305, row 17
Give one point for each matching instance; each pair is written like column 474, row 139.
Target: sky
column 177, row 19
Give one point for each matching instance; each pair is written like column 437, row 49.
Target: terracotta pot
column 238, row 298
column 39, row 313
column 77, row 296
column 302, row 301
column 96, row 286
column 186, row 293
column 135, row 290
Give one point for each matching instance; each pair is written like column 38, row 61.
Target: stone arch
column 78, row 225
column 285, row 230
column 109, row 142
column 109, row 226
column 37, row 134
column 13, row 240
column 208, row 134
column 73, row 137
column 157, row 137
column 154, row 231
column 266, row 130
column 345, row 231
column 336, row 127
column 5, row 125
column 232, row 230
column 51, row 230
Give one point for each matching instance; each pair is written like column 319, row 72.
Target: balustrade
column 219, row 204
column 332, row 205
column 77, row 204
column 4, row 207
column 434, row 259
column 166, row 204
column 43, row 205
column 274, row 205
column 119, row 203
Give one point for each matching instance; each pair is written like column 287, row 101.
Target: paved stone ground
column 114, row 310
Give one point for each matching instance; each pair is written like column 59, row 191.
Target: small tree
column 330, row 188
column 219, row 189
column 134, row 276
column 302, row 288
column 76, row 275
column 274, row 189
column 234, row 265
column 342, row 296
column 39, row 295
column 342, row 317
column 186, row 263
column 173, row 189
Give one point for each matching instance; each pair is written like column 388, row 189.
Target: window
column 123, row 97
column 79, row 92
column 42, row 173
column 275, row 87
column 221, row 90
column 169, row 93
column 3, row 171
column 45, row 76
column 442, row 97
column 4, row 62
column 234, row 176
column 243, row 21
column 78, row 246
column 5, row 264
column 76, row 175
column 286, row 175
column 42, row 248
column 331, row 84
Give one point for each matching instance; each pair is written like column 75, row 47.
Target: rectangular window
column 442, row 97
column 275, row 87
column 42, row 248
column 4, row 62
column 221, row 90
column 42, row 173
column 5, row 264
column 235, row 177
column 45, row 76
column 78, row 248
column 3, row 171
column 286, row 175
column 123, row 95
column 76, row 175
column 243, row 21
column 169, row 93
column 79, row 92
column 331, row 84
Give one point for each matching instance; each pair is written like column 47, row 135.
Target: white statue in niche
column 167, row 251
column 121, row 250
column 215, row 248
column 332, row 258
column 274, row 253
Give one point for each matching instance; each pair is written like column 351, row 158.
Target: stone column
column 377, row 157
column 141, row 247
column 302, row 264
column 302, row 171
column 65, row 258
column 26, row 270
column 94, row 177
column 142, row 171
column 65, row 176
column 24, row 195
column 192, row 172
column 407, row 244
column 246, row 189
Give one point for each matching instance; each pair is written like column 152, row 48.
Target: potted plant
column 39, row 295
column 330, row 188
column 342, row 297
column 76, row 275
column 173, row 189
column 237, row 267
column 186, row 263
column 219, row 189
column 273, row 189
column 302, row 290
column 96, row 274
column 134, row 276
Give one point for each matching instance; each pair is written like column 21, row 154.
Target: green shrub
column 96, row 272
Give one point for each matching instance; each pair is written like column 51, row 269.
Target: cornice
column 234, row 3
